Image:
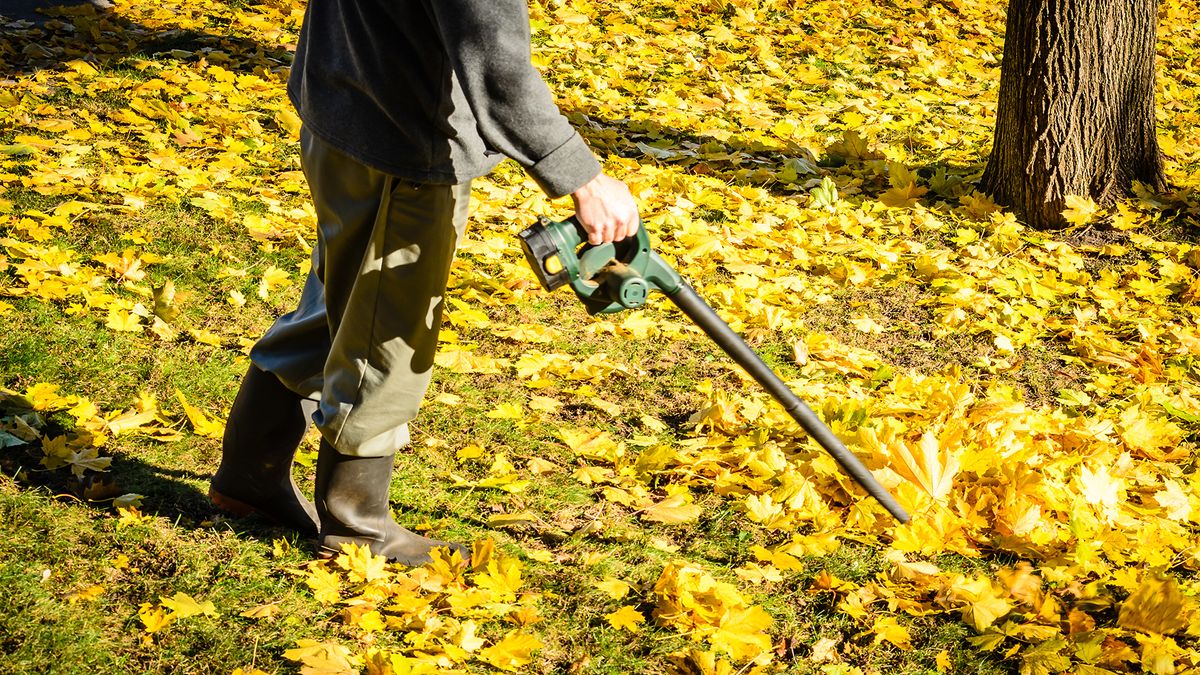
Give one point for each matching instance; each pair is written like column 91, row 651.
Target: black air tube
column 698, row 311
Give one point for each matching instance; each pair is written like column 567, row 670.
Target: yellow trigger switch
column 552, row 265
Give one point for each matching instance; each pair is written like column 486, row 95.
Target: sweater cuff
column 567, row 168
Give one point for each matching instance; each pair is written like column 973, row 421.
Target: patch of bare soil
column 912, row 344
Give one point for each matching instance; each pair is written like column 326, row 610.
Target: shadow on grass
column 166, row 492
column 789, row 170
column 103, row 37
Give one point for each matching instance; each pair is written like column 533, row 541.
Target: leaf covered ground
column 636, row 503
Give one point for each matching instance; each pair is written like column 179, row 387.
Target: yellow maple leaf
column 502, row 520
column 931, row 464
column 983, row 605
column 466, row 638
column 690, row 600
column 886, row 629
column 361, row 565
column 502, row 577
column 464, row 361
column 326, row 586
column 183, row 606
column 757, row 574
column 154, row 618
column 126, row 266
column 742, row 633
column 507, row 411
column 1081, row 210
column 205, row 337
column 370, row 621
column 130, row 420
column 978, row 205
column 289, row 121
column 529, row 333
column 1100, row 488
column 55, row 450
column 44, row 396
column 780, row 559
column 1157, row 606
column 272, row 278
column 615, row 588
column 482, row 551
column 131, row 516
column 676, row 508
column 502, row 475
column 85, row 594
column 903, row 197
column 86, row 459
column 541, row 467
column 1147, row 434
column 1126, row 218
column 513, row 651
column 201, row 424
column 639, row 326
column 1174, row 500
column 164, row 301
column 706, row 663
column 323, row 658
column 626, row 618
column 264, row 611
column 866, row 324
column 592, row 444
column 545, row 404
column 900, row 175
column 121, row 320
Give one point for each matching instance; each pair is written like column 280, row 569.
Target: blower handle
column 707, row 319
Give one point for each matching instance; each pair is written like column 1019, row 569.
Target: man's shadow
column 165, row 491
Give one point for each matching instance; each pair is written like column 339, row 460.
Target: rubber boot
column 265, row 427
column 352, row 507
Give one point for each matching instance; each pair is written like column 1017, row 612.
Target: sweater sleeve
column 488, row 44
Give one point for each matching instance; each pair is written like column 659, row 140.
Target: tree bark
column 1076, row 106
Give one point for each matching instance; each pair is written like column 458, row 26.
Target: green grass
column 54, row 545
column 50, row 548
column 189, row 547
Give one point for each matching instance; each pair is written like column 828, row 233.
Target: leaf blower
column 612, row 277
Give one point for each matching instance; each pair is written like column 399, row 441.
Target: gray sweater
column 434, row 91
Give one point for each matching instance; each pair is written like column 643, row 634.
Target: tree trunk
column 1076, row 108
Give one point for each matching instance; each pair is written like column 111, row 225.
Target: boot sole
column 234, row 507
column 240, row 509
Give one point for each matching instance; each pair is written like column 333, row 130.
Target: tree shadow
column 791, row 170
column 35, row 37
column 102, row 37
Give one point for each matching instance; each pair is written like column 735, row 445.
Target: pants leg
column 363, row 337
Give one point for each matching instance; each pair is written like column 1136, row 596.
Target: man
column 403, row 103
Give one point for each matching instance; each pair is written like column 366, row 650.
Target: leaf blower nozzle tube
column 732, row 344
column 617, row 276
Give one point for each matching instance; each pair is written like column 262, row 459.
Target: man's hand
column 605, row 208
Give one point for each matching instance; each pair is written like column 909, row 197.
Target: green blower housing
column 607, row 278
